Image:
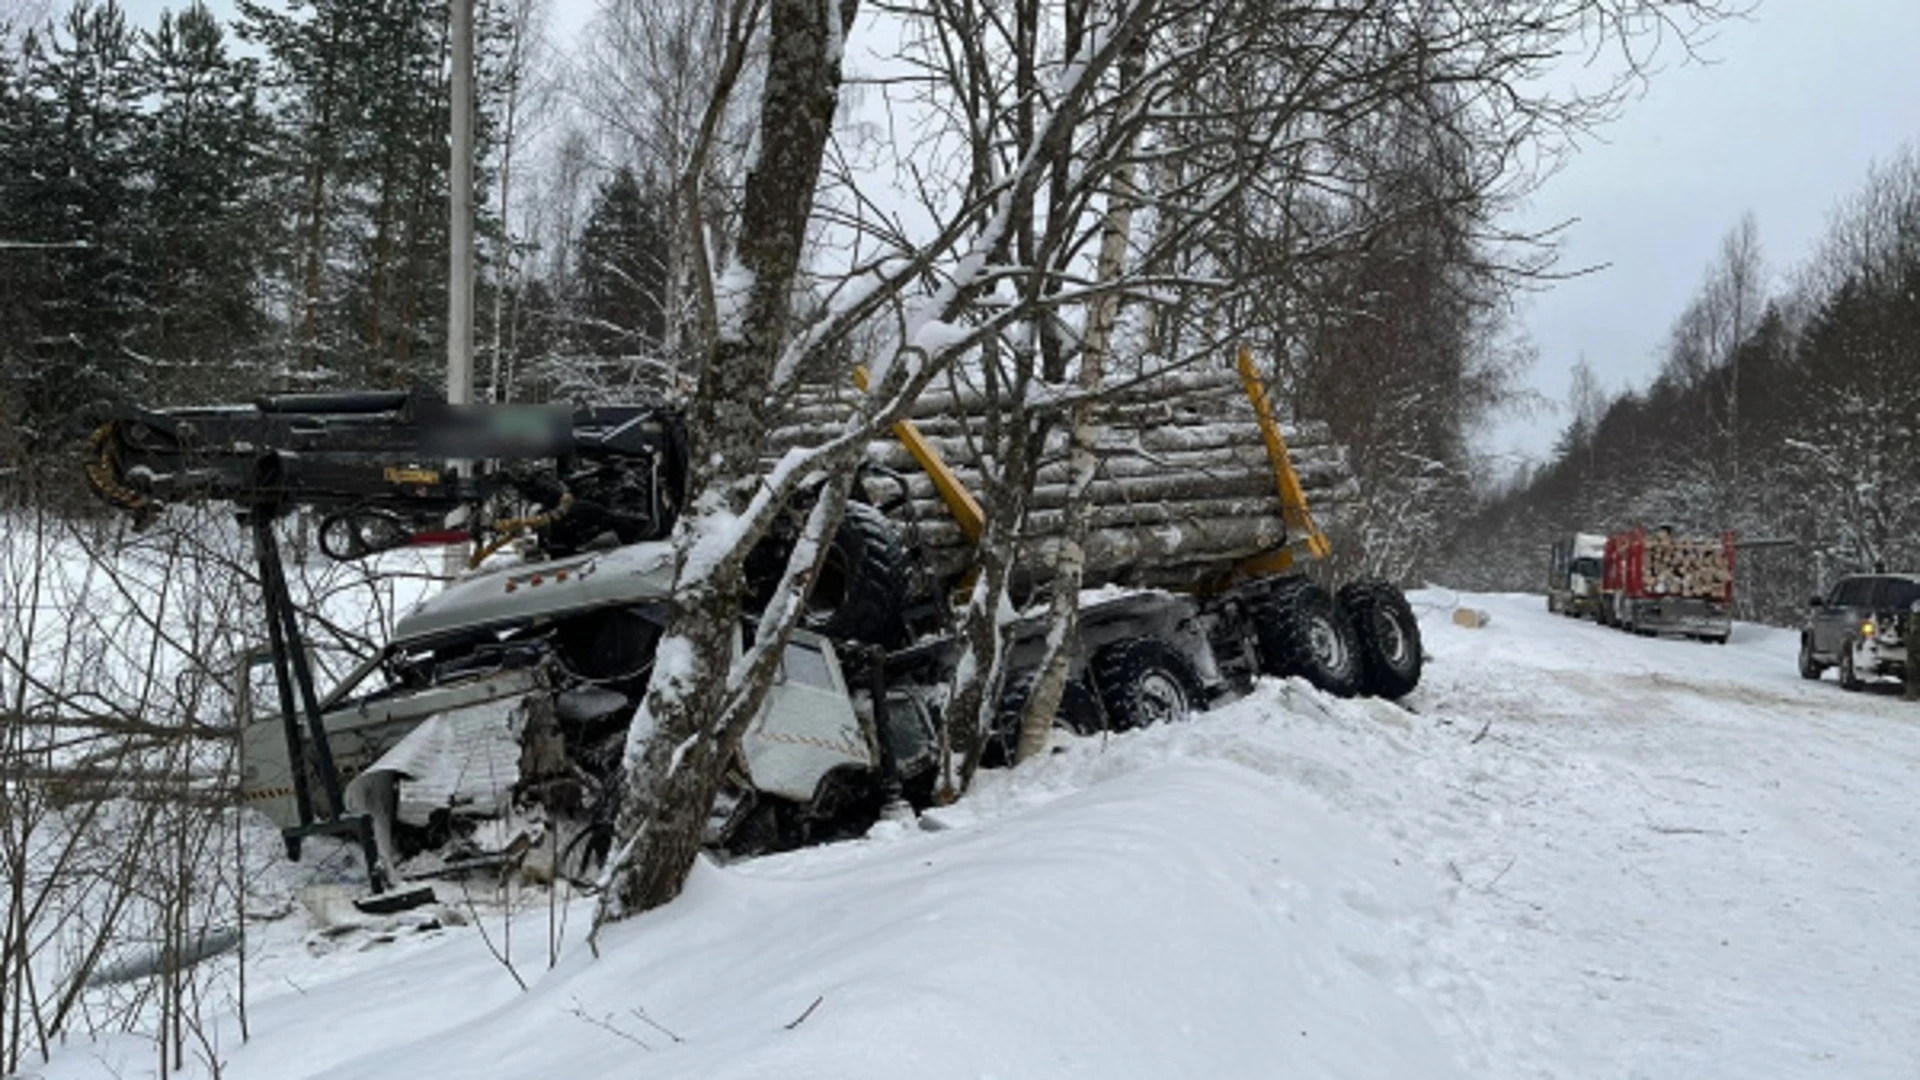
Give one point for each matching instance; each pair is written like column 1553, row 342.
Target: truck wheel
column 861, row 593
column 1079, row 713
column 1809, row 667
column 1388, row 637
column 1299, row 630
column 1145, row 681
column 1849, row 678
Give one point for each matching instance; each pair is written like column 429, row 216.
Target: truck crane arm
column 375, row 465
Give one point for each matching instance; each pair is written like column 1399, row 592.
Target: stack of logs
column 1183, row 490
column 1686, row 567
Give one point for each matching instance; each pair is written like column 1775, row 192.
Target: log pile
column 1183, row 489
column 1686, row 567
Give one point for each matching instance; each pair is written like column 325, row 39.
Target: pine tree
column 72, row 187
column 361, row 97
column 22, row 269
column 206, row 222
column 621, row 274
column 399, row 165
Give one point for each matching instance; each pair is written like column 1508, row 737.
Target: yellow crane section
column 960, row 502
column 1304, row 536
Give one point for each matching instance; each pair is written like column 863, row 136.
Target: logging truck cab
column 515, row 689
column 1575, row 569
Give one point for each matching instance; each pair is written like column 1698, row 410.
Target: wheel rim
column 1390, row 638
column 1161, row 698
column 1329, row 649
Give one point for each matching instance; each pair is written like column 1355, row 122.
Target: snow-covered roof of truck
column 636, row 573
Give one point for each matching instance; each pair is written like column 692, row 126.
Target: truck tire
column 1849, row 678
column 1299, row 630
column 861, row 593
column 1145, row 681
column 1809, row 667
column 1079, row 713
column 1387, row 635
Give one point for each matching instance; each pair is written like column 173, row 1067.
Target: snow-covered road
column 1583, row 854
column 1678, row 859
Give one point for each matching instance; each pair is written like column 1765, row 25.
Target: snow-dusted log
column 1178, row 550
column 1166, row 494
column 1189, row 485
column 1042, row 523
column 1167, row 425
column 1201, row 471
column 828, row 403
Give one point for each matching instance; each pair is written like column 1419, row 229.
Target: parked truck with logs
column 1658, row 583
column 497, row 712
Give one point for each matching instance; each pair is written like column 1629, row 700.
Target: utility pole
column 460, row 234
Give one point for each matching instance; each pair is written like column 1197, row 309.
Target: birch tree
column 699, row 702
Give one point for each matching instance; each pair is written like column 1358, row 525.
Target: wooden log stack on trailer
column 1681, row 566
column 1195, row 492
column 1184, row 489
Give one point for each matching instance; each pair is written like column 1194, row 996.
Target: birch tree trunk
column 1063, row 636
column 685, row 729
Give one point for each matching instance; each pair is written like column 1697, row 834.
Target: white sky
column 1797, row 102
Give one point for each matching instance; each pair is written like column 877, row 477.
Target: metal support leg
column 266, row 552
column 295, row 676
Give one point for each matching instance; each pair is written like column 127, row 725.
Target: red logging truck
column 1656, row 582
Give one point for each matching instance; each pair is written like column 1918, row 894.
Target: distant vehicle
column 1857, row 627
column 1659, row 583
column 1574, row 572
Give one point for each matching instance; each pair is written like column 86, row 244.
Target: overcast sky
column 1796, row 104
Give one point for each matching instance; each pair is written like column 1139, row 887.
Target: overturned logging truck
column 492, row 723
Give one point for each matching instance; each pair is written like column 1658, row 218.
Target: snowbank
column 1581, row 853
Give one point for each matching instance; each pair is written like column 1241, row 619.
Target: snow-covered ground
column 1581, row 854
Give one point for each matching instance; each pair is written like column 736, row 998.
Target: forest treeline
column 199, row 209
column 208, row 207
column 1789, row 414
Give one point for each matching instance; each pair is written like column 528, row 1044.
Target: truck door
column 808, row 727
